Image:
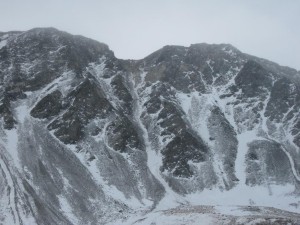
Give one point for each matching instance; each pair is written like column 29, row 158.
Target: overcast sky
column 135, row 28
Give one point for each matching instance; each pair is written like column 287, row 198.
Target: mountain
column 200, row 133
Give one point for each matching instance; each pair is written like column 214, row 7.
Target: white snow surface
column 110, row 190
column 207, row 215
column 3, row 43
column 11, row 145
column 243, row 140
column 22, row 112
column 66, row 209
column 165, row 218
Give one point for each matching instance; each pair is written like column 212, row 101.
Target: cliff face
column 87, row 138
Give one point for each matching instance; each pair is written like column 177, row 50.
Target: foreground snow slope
column 214, row 215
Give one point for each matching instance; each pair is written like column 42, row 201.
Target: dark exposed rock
column 284, row 95
column 182, row 150
column 172, row 70
column 123, row 93
column 6, row 114
column 184, row 147
column 171, row 119
column 253, row 79
column 48, row 106
column 267, row 164
column 87, row 102
column 122, row 134
column 225, row 143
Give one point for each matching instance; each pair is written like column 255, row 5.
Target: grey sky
column 135, row 28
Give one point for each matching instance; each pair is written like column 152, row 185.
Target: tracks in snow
column 14, row 217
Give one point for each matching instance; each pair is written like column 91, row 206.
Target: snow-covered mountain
column 86, row 138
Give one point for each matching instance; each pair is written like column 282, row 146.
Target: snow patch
column 110, row 190
column 11, row 145
column 3, row 43
column 66, row 182
column 171, row 198
column 229, row 51
column 67, row 210
column 240, row 166
column 197, row 109
column 22, row 112
column 243, row 195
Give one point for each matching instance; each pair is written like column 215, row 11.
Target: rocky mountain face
column 87, row 138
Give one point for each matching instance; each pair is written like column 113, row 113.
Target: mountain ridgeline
column 87, row 138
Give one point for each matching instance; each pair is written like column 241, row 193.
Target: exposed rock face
column 253, row 80
column 267, row 163
column 86, row 138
